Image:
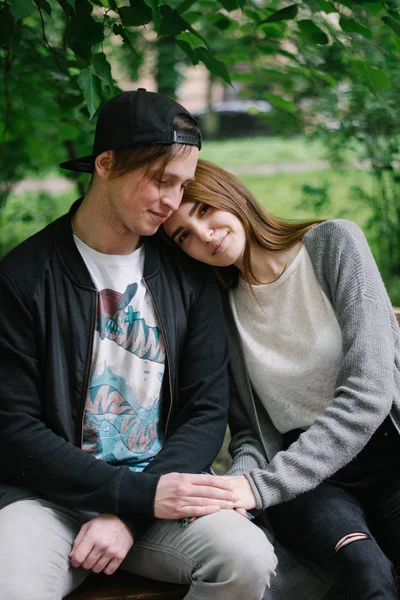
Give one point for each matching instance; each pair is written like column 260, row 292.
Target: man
column 113, row 393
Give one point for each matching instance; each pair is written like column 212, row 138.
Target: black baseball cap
column 132, row 120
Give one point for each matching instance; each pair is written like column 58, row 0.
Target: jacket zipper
column 88, row 364
column 167, row 352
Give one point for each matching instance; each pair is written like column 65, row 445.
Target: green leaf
column 7, row 25
column 154, row 5
column 208, row 5
column 190, row 53
column 374, row 7
column 222, row 22
column 396, row 42
column 172, row 23
column 351, row 26
column 215, row 66
column 83, row 32
column 323, row 6
column 119, row 30
column 21, row 8
column 137, row 15
column 83, row 28
column 44, row 6
column 102, row 68
column 378, row 78
column 395, row 25
column 91, row 88
column 229, row 5
column 285, row 14
column 274, row 30
column 192, row 40
column 327, row 78
column 312, row 33
column 186, row 5
column 192, row 16
column 281, row 103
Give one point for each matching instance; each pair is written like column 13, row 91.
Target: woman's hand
column 181, row 495
column 244, row 493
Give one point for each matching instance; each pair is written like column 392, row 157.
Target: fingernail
column 249, row 515
column 185, row 522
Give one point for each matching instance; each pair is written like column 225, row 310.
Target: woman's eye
column 203, row 209
column 183, row 237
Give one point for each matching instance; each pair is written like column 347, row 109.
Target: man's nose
column 172, row 198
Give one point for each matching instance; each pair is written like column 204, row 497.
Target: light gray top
column 367, row 386
column 292, row 343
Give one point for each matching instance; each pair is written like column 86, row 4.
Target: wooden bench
column 123, row 586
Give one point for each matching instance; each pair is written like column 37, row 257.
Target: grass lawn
column 283, row 194
column 261, row 150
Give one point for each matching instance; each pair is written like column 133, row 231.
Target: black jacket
column 47, row 317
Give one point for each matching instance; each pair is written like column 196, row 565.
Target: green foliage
column 25, row 214
column 325, row 67
column 60, row 59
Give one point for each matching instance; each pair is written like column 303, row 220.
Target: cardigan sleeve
column 368, row 379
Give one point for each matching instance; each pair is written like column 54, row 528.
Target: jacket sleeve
column 197, row 431
column 245, row 448
column 368, row 379
column 32, row 455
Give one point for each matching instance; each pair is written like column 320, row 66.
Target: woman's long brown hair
column 220, row 189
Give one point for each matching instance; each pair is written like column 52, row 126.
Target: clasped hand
column 101, row 544
column 181, row 495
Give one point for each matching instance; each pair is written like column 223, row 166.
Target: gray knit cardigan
column 367, row 390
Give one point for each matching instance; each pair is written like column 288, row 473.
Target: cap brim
column 85, row 164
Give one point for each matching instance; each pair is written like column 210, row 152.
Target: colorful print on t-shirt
column 121, row 419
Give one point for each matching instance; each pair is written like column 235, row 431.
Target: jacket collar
column 73, row 261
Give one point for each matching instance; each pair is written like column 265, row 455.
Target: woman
column 315, row 417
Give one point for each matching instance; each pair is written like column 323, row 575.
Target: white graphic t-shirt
column 121, row 420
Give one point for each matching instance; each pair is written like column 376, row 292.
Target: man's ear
column 103, row 164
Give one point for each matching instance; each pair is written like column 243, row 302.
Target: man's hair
column 126, row 160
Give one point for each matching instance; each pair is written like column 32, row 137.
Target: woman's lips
column 220, row 246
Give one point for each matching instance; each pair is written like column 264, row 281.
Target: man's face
column 139, row 202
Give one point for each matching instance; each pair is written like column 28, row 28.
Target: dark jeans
column 363, row 497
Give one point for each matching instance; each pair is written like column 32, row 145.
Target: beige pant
column 223, row 556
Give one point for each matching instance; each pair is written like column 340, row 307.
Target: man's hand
column 101, row 544
column 180, row 495
column 243, row 492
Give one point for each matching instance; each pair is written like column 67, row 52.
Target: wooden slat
column 124, row 586
column 397, row 313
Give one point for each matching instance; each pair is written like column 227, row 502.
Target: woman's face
column 207, row 234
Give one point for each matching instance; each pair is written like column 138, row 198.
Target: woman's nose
column 206, row 234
